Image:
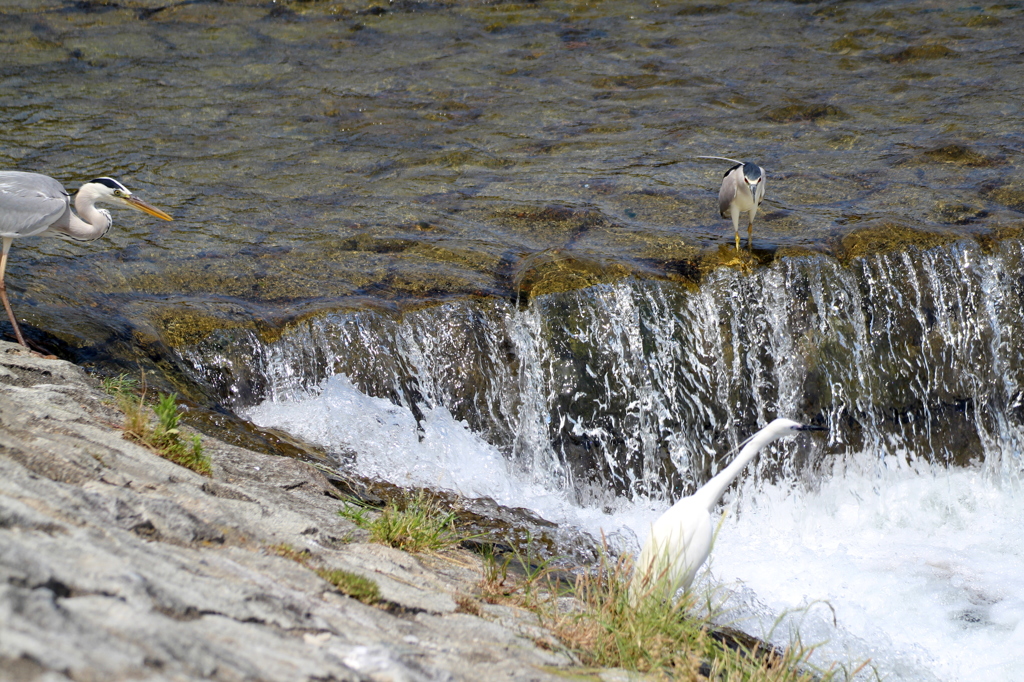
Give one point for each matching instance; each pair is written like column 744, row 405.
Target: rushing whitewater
column 896, row 538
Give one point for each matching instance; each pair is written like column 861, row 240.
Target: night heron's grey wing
column 728, row 192
column 761, row 188
column 30, row 203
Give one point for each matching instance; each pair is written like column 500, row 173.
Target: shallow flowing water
column 468, row 245
column 326, row 154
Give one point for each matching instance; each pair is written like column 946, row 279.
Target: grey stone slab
column 116, row 564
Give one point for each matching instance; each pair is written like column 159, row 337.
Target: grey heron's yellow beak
column 145, row 208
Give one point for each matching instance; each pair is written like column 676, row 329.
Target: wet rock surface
column 117, row 564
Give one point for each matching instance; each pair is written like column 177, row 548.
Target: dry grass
column 607, row 631
column 520, row 579
column 605, row 628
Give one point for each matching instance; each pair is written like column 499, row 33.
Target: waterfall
column 630, row 389
column 896, row 538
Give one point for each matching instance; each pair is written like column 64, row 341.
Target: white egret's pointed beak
column 141, row 205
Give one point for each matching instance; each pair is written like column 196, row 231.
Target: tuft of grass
column 164, row 437
column 598, row 620
column 355, row 586
column 357, row 512
column 607, row 630
column 416, row 523
column 120, row 387
column 529, row 585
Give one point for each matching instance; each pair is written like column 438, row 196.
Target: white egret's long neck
column 91, row 222
column 712, row 491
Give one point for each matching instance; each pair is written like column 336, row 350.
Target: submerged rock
column 557, row 271
column 795, row 113
column 1009, row 194
column 918, row 52
column 959, row 155
column 958, row 213
column 877, row 239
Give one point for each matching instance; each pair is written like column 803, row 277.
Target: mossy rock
column 333, row 272
column 701, row 10
column 888, row 237
column 918, row 52
column 991, row 240
column 983, row 21
column 556, row 270
column 552, row 225
column 635, row 82
column 847, row 43
column 373, row 244
column 182, row 327
column 726, row 256
column 960, row 156
column 958, row 213
column 796, row 113
column 1009, row 194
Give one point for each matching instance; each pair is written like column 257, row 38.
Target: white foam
column 441, row 452
column 921, row 565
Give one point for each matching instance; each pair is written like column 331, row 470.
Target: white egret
column 742, row 191
column 31, row 204
column 680, row 540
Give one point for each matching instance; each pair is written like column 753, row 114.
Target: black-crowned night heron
column 742, row 191
column 680, row 540
column 31, row 204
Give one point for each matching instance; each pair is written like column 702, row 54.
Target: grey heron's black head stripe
column 111, row 183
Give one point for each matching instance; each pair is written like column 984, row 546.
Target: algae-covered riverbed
column 324, row 155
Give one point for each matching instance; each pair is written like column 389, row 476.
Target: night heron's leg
column 735, row 214
column 3, row 292
column 750, row 227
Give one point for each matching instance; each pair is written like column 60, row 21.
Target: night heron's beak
column 141, row 205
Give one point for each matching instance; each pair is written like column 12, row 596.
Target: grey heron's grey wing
column 30, row 203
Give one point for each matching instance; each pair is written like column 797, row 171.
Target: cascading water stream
column 596, row 408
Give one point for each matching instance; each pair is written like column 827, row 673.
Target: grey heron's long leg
column 3, row 292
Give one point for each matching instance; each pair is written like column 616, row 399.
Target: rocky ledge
column 117, row 564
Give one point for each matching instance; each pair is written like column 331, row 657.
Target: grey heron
column 31, row 204
column 742, row 191
column 680, row 540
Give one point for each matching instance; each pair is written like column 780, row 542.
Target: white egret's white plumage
column 31, row 204
column 680, row 539
column 742, row 192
